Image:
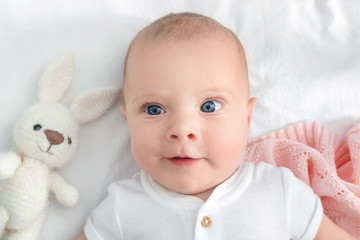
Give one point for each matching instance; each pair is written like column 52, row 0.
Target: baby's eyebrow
column 215, row 91
column 147, row 96
column 208, row 91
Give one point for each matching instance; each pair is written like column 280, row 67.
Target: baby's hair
column 184, row 26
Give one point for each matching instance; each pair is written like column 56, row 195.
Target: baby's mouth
column 183, row 161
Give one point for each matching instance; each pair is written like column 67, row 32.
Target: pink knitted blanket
column 324, row 161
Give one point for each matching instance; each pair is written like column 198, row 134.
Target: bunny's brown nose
column 54, row 137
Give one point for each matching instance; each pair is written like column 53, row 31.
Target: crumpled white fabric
column 303, row 57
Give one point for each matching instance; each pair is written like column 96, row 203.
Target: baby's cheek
column 144, row 145
column 231, row 143
column 140, row 146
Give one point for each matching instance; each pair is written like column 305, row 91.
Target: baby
column 187, row 106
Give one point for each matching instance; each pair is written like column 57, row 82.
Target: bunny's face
column 47, row 132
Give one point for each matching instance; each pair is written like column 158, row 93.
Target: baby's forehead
column 158, row 57
column 217, row 40
column 147, row 51
column 183, row 28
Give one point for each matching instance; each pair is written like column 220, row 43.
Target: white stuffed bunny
column 46, row 136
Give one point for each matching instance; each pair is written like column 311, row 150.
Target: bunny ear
column 93, row 103
column 56, row 79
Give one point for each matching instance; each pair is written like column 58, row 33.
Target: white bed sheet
column 303, row 56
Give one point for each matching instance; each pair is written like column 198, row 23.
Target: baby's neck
column 207, row 193
column 204, row 195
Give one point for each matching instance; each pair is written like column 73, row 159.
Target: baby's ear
column 56, row 79
column 123, row 111
column 91, row 104
column 251, row 105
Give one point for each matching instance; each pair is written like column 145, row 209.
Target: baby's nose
column 189, row 136
column 54, row 137
column 182, row 129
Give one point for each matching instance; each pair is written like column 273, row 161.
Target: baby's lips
column 183, row 161
column 184, row 157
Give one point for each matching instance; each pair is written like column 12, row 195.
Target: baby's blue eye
column 210, row 106
column 154, row 110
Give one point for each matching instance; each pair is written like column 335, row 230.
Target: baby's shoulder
column 267, row 171
column 279, row 177
column 127, row 187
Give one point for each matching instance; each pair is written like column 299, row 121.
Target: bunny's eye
column 69, row 141
column 37, row 127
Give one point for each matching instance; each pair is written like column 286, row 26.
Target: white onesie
column 257, row 202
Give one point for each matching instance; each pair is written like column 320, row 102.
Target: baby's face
column 188, row 112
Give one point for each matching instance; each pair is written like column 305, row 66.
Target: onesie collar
column 221, row 195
